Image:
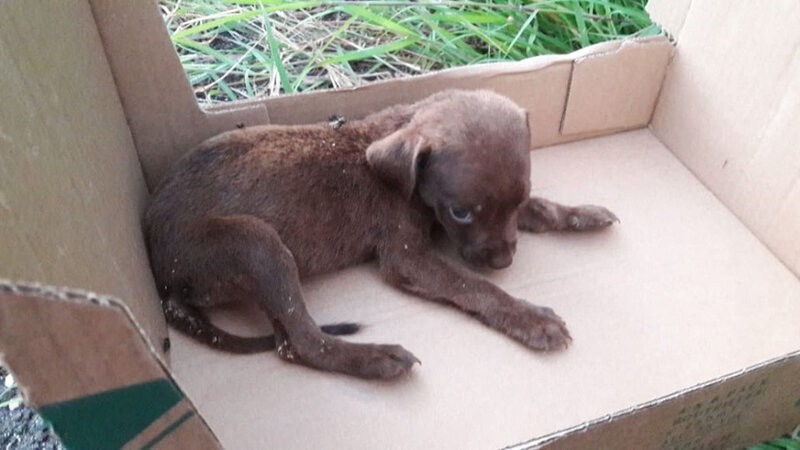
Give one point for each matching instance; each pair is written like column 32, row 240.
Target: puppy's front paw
column 537, row 327
column 589, row 217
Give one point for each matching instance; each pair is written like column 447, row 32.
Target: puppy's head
column 465, row 153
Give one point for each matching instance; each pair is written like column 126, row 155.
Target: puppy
column 251, row 212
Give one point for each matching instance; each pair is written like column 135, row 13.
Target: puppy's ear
column 396, row 158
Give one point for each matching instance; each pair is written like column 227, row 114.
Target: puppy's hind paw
column 385, row 362
column 590, row 217
column 370, row 361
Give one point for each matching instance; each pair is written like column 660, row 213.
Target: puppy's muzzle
column 496, row 256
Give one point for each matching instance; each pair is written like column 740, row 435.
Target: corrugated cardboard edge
column 596, row 424
column 618, row 89
column 166, row 430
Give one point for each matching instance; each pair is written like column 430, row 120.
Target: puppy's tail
column 195, row 323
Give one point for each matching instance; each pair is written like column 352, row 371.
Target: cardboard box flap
column 71, row 187
column 730, row 110
column 618, row 89
column 99, row 385
column 765, row 397
column 162, row 112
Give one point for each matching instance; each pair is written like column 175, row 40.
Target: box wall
column 161, row 110
column 740, row 409
column 730, row 110
column 71, row 187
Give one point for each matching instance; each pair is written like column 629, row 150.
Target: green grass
column 788, row 442
column 235, row 49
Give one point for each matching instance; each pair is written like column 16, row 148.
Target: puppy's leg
column 427, row 275
column 540, row 215
column 249, row 251
column 193, row 322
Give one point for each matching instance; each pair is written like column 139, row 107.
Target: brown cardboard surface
column 162, row 113
column 191, row 431
column 679, row 293
column 66, row 346
column 193, row 434
column 71, row 187
column 106, row 355
column 743, row 408
column 730, row 110
column 618, row 90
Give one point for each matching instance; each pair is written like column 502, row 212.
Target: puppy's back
column 310, row 183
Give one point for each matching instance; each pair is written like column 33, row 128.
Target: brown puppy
column 249, row 213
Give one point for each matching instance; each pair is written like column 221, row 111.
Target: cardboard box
column 684, row 317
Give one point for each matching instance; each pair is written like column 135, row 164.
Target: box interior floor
column 657, row 303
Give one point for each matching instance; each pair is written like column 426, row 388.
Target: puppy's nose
column 501, row 260
column 502, row 254
column 512, row 247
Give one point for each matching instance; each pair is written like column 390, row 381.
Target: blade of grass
column 384, row 23
column 580, row 21
column 227, row 90
column 248, row 85
column 276, row 57
column 215, row 24
column 785, row 443
column 312, row 60
column 219, row 56
column 369, row 52
column 473, row 17
column 522, row 29
column 450, row 38
column 478, row 32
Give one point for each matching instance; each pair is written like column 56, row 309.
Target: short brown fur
column 249, row 213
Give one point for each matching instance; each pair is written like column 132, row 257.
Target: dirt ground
column 22, row 428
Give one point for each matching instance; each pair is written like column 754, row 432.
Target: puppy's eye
column 461, row 215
